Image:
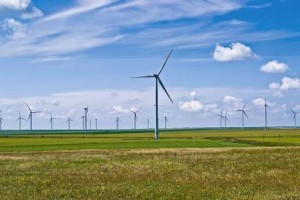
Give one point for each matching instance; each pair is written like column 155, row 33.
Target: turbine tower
column 30, row 116
column 266, row 119
column 117, row 123
column 135, row 117
column 51, row 121
column 20, row 118
column 86, row 110
column 221, row 119
column 158, row 82
column 243, row 114
column 69, row 120
column 295, row 117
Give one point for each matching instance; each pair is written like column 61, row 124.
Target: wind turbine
column 226, row 119
column 51, row 121
column 117, row 123
column 148, row 123
column 221, row 118
column 20, row 118
column 166, row 121
column 69, row 120
column 243, row 114
column 266, row 119
column 90, row 123
column 295, row 117
column 157, row 82
column 86, row 110
column 1, row 120
column 96, row 123
column 30, row 116
column 135, row 117
column 83, row 121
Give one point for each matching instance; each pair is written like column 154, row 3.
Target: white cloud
column 15, row 29
column 191, row 106
column 260, row 102
column 15, row 4
column 274, row 67
column 286, row 84
column 236, row 51
column 34, row 13
column 278, row 94
column 119, row 109
column 274, row 86
column 231, row 99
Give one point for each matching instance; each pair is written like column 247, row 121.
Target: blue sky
column 59, row 56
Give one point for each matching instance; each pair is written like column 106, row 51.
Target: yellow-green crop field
column 183, row 164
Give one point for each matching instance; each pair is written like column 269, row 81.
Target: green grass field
column 182, row 164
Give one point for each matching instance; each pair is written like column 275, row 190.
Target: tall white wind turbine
column 30, row 116
column 158, row 82
column 135, row 117
column 295, row 117
column 20, row 118
column 69, row 120
column 117, row 123
column 221, row 119
column 243, row 114
column 266, row 119
column 51, row 121
column 86, row 110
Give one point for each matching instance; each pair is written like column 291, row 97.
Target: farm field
column 207, row 173
column 183, row 164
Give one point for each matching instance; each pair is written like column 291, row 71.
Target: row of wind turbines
column 244, row 114
column 158, row 82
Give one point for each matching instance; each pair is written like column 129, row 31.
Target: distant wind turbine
column 69, row 120
column 83, row 121
column 157, row 82
column 86, row 110
column 243, row 114
column 135, row 117
column 226, row 119
column 20, row 118
column 148, row 123
column 117, row 123
column 295, row 117
column 166, row 121
column 1, row 120
column 30, row 116
column 51, row 121
column 266, row 119
column 96, row 124
column 221, row 119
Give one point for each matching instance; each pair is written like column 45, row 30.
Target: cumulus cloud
column 33, row 13
column 260, row 102
column 231, row 99
column 286, row 84
column 15, row 4
column 274, row 67
column 119, row 109
column 236, row 51
column 191, row 106
column 14, row 28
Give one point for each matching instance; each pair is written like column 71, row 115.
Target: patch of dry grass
column 221, row 173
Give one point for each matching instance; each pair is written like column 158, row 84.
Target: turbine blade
column 28, row 107
column 244, row 106
column 162, row 85
column 162, row 67
column 149, row 76
column 245, row 114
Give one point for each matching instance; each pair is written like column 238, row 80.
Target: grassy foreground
column 218, row 173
